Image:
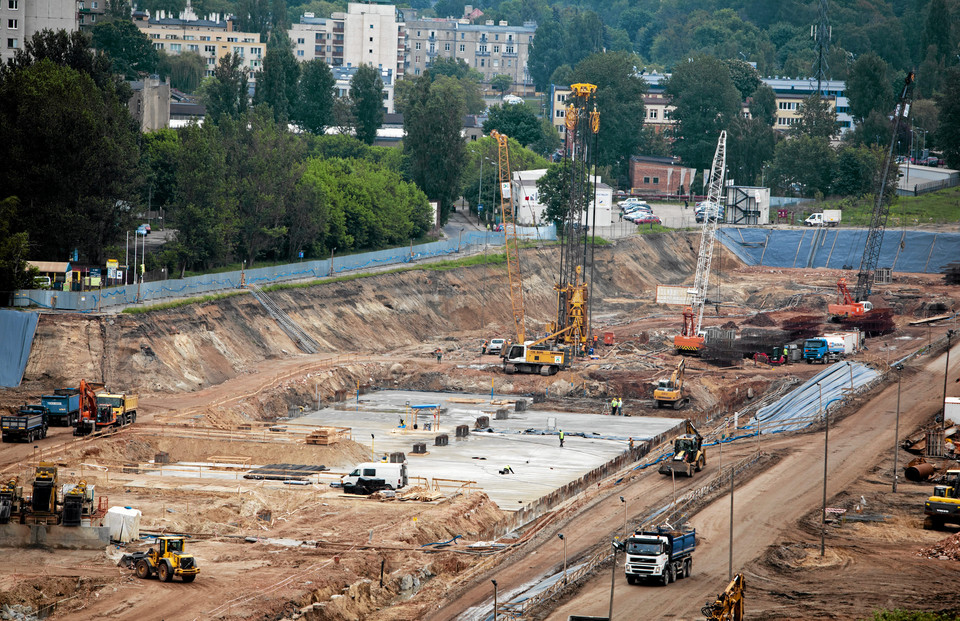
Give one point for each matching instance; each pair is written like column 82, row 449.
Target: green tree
column 127, row 46
column 70, row 154
column 15, row 273
column 546, row 52
column 225, row 93
column 487, row 191
column 278, row 81
column 619, row 100
column 549, row 140
column 174, row 7
column 160, row 154
column 314, row 107
column 432, row 122
column 185, row 70
column 501, row 82
column 817, row 118
column 515, row 120
column 857, row 169
column 948, row 133
column 468, row 79
column 553, row 189
column 804, row 164
column 744, row 77
column 750, row 143
column 763, row 104
column 706, row 102
column 936, row 31
column 254, row 16
column 869, row 87
column 366, row 93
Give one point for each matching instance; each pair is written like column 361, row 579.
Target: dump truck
column 28, row 425
column 63, row 407
column 123, row 409
column 669, row 391
column 820, row 350
column 688, row 454
column 664, row 555
column 165, row 561
column 944, row 506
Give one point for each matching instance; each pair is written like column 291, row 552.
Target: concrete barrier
column 41, row 536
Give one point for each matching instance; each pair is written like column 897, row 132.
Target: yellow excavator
column 688, row 454
column 669, row 391
column 729, row 604
column 944, row 506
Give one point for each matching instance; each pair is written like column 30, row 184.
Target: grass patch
column 139, row 310
column 940, row 207
column 646, row 229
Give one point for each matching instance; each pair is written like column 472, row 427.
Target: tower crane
column 857, row 304
column 521, row 356
column 690, row 339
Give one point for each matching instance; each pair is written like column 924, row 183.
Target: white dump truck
column 664, row 555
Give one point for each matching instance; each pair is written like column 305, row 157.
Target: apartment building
column 343, row 76
column 20, row 19
column 490, row 49
column 211, row 38
column 367, row 34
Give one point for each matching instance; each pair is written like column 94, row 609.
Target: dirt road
column 772, row 502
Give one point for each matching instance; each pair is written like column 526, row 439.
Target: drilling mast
column 690, row 339
column 511, row 243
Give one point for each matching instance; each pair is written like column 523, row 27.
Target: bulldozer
column 944, row 506
column 669, row 392
column 688, row 454
column 165, row 561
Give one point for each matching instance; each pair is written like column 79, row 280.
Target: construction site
column 768, row 433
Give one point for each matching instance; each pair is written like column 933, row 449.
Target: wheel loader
column 688, row 454
column 165, row 561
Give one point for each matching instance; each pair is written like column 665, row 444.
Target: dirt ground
column 267, row 551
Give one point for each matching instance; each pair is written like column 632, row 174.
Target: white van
column 394, row 475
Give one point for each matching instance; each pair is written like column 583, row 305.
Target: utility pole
column 730, row 560
column 826, row 441
column 946, row 371
column 896, row 433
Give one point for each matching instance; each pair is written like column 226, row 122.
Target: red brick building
column 659, row 175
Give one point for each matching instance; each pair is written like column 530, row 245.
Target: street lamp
column 624, row 501
column 494, row 599
column 896, row 432
column 826, row 439
column 560, row 535
column 480, row 189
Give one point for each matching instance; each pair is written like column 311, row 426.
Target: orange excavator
column 846, row 306
column 90, row 412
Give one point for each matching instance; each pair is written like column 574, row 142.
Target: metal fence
column 158, row 291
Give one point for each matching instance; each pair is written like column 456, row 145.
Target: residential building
column 367, row 34
column 21, row 19
column 210, row 38
column 490, row 49
column 659, row 175
column 89, row 11
column 529, row 210
column 343, row 76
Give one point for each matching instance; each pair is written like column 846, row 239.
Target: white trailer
column 851, row 341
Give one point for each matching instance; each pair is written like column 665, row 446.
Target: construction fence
column 466, row 242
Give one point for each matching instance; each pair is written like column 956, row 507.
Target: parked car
column 495, row 346
column 706, row 208
column 142, row 230
column 637, row 207
column 647, row 219
column 933, row 160
column 630, row 202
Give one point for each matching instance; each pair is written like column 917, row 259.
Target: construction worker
column 631, row 443
column 561, row 438
column 613, row 406
column 620, row 406
column 507, row 470
column 439, row 354
column 483, row 349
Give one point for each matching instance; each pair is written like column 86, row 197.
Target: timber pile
column 325, row 436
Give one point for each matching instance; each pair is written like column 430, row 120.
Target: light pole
column 624, row 501
column 613, row 575
column 560, row 535
column 480, row 192
column 946, row 371
column 126, row 258
column 826, row 440
column 494, row 600
column 896, row 432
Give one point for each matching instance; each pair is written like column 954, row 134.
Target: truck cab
column 819, row 350
column 664, row 555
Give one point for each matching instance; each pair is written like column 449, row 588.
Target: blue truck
column 819, row 350
column 664, row 555
column 28, row 425
column 63, row 407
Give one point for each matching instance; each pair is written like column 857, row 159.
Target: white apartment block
column 212, row 39
column 367, row 34
column 343, row 76
column 488, row 48
column 20, row 19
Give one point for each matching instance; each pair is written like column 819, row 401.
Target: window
column 371, row 39
column 496, row 37
column 211, row 61
column 210, row 49
column 158, row 46
column 237, row 50
column 483, row 62
column 416, row 45
column 231, row 39
column 509, row 49
column 175, row 48
column 416, row 59
column 193, row 48
column 509, row 63
column 653, row 114
column 371, row 26
column 496, row 49
column 203, row 38
column 12, row 44
column 188, row 37
column 509, row 37
column 94, row 5
column 446, row 47
column 646, row 179
column 12, row 24
column 300, row 41
column 93, row 18
column 463, row 48
column 496, row 63
column 656, row 180
column 482, row 48
column 561, row 113
column 256, row 51
column 369, row 51
column 299, row 52
column 12, row 5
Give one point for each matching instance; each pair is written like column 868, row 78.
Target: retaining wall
column 62, row 537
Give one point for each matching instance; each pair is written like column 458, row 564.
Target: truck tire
column 664, row 578
column 687, row 567
column 189, row 577
column 164, row 572
column 631, row 579
column 671, row 573
column 700, row 464
column 143, row 569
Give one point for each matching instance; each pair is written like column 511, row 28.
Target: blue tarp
column 841, row 248
column 16, row 338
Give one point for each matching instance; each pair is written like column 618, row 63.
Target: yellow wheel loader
column 165, row 561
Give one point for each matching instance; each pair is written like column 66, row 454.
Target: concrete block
column 62, row 537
